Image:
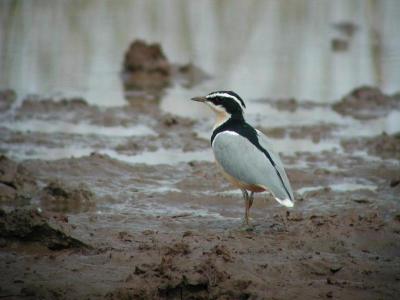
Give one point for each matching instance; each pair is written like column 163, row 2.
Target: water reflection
column 257, row 48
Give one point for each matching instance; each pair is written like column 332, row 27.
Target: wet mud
column 23, row 226
column 128, row 201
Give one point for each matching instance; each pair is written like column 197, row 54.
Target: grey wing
column 265, row 143
column 244, row 161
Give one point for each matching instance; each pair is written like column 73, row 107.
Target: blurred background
column 316, row 49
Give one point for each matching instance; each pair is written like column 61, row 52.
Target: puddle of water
column 23, row 152
column 265, row 48
column 349, row 187
column 392, row 122
column 309, row 189
column 163, row 156
column 177, row 101
column 35, row 125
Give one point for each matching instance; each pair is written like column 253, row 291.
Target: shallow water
column 34, row 125
column 257, row 48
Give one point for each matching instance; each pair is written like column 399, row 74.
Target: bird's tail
column 285, row 202
column 283, row 196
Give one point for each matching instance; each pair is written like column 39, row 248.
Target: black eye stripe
column 232, row 96
column 230, row 105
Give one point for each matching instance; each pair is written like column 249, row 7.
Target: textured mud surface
column 128, row 201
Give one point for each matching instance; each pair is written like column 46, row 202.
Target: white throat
column 222, row 114
column 222, row 117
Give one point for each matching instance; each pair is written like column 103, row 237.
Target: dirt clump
column 366, row 103
column 30, row 225
column 179, row 277
column 146, row 72
column 16, row 183
column 58, row 197
column 146, row 67
column 7, row 98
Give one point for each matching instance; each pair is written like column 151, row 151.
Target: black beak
column 199, row 99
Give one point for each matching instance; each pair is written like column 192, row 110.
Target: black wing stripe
column 273, row 164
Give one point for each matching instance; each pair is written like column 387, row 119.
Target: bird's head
column 224, row 103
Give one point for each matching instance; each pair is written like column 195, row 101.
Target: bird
column 244, row 154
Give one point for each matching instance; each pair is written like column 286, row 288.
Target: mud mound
column 147, row 71
column 15, row 181
column 29, row 225
column 146, row 67
column 58, row 197
column 385, row 146
column 7, row 98
column 367, row 103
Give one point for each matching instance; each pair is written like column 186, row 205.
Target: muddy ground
column 96, row 226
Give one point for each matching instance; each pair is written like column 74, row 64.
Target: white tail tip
column 285, row 202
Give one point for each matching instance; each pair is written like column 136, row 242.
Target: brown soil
column 112, row 230
column 16, row 182
column 30, row 225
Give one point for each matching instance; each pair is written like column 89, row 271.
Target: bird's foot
column 246, row 227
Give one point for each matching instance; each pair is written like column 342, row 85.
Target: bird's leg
column 251, row 198
column 246, row 223
column 246, row 205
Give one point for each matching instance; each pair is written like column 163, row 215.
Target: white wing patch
column 225, row 132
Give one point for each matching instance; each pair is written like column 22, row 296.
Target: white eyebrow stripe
column 227, row 96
